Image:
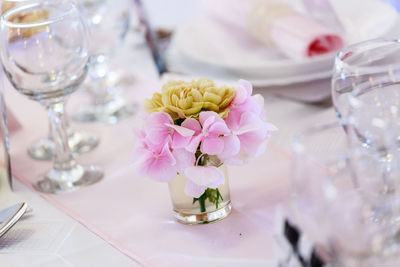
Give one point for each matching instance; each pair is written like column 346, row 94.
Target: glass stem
column 63, row 158
column 69, row 132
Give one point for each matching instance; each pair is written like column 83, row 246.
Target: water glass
column 337, row 201
column 46, row 58
column 43, row 149
column 109, row 22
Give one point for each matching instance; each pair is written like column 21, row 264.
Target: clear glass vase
column 213, row 205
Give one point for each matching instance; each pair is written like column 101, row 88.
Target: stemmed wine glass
column 366, row 97
column 43, row 149
column 108, row 22
column 336, row 201
column 46, row 59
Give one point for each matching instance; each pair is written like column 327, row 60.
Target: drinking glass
column 337, row 202
column 46, row 59
column 371, row 63
column 43, row 149
column 365, row 89
column 108, row 22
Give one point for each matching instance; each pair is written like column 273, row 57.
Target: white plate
column 214, row 46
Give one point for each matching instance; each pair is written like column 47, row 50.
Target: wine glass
column 108, row 22
column 346, row 215
column 370, row 62
column 46, row 59
column 43, row 149
column 365, row 95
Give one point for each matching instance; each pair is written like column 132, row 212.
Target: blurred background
column 254, row 40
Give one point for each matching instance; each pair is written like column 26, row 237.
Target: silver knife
column 10, row 215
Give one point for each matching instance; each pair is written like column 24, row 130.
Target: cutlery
column 10, row 215
column 151, row 39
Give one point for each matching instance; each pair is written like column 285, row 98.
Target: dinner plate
column 9, row 216
column 205, row 46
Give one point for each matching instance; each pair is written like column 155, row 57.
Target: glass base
column 204, row 218
column 81, row 176
column 111, row 112
column 79, row 142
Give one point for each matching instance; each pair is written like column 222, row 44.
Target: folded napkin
column 366, row 19
column 274, row 23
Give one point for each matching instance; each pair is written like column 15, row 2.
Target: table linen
column 134, row 214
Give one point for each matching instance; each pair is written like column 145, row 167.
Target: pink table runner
column 135, row 214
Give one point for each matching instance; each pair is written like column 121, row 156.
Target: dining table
column 127, row 219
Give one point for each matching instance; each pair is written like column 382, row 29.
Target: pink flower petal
column 240, row 95
column 184, row 159
column 155, row 128
column 251, row 144
column 250, row 122
column 204, row 176
column 233, row 119
column 217, row 182
column 179, row 141
column 159, row 167
column 219, row 128
column 231, row 147
column 193, row 189
column 207, row 118
column 181, row 130
column 192, row 124
column 194, row 143
column 247, row 85
column 212, row 145
column 163, row 173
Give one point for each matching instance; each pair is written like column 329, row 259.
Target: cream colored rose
column 183, row 99
column 29, row 17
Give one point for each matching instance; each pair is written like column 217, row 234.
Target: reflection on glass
column 108, row 22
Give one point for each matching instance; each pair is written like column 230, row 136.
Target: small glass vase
column 213, row 205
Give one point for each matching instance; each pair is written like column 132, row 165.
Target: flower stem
column 202, row 202
column 213, row 195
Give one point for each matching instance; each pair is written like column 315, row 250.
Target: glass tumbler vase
column 213, row 205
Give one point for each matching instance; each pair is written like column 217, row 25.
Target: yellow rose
column 183, row 99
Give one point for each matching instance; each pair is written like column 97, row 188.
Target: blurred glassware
column 373, row 62
column 365, row 91
column 5, row 169
column 347, row 216
column 109, row 22
column 43, row 149
column 46, row 59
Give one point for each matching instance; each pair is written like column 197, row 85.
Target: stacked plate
column 210, row 48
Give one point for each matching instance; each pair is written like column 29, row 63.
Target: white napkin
column 365, row 19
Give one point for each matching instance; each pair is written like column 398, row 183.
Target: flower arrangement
column 193, row 123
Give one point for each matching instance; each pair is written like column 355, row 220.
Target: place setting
column 212, row 133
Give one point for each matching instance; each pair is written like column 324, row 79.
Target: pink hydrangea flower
column 159, row 149
column 253, row 134
column 245, row 102
column 154, row 161
column 160, row 129
column 211, row 136
column 247, row 122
